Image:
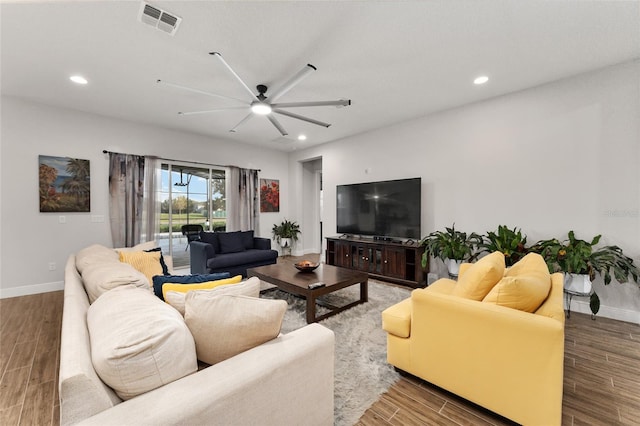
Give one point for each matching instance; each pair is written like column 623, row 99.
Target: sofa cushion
column 523, row 292
column 94, row 254
column 479, row 278
column 250, row 288
column 159, row 280
column 246, row 257
column 524, row 286
column 183, row 288
column 146, row 262
column 224, row 326
column 231, row 242
column 247, row 239
column 211, row 238
column 138, row 343
column 102, row 277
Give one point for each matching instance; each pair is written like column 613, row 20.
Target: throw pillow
column 94, row 254
column 146, row 262
column 183, row 288
column 230, row 242
column 138, row 343
column 225, row 326
column 531, row 264
column 211, row 238
column 480, row 277
column 100, row 278
column 247, row 239
column 159, row 280
column 165, row 268
column 250, row 288
column 523, row 292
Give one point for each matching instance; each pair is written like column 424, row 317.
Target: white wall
column 559, row 157
column 30, row 240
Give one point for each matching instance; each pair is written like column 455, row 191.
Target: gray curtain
column 242, row 200
column 126, row 190
column 151, row 203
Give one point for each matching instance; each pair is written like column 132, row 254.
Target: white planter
column 285, row 242
column 577, row 284
column 453, row 266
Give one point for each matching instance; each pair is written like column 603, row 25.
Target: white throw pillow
column 224, row 326
column 95, row 254
column 138, row 342
column 250, row 288
column 101, row 277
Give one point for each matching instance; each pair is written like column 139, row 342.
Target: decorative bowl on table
column 306, row 266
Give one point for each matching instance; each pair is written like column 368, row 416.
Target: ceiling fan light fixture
column 261, row 108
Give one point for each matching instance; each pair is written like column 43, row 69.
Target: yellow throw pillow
column 146, row 262
column 532, row 264
column 523, row 292
column 183, row 288
column 480, row 277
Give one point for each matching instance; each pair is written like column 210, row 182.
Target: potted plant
column 510, row 242
column 451, row 246
column 580, row 262
column 286, row 233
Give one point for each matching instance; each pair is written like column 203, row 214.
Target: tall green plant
column 510, row 242
column 450, row 244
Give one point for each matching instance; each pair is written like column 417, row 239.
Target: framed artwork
column 269, row 195
column 64, row 184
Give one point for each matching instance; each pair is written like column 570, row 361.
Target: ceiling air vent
column 158, row 18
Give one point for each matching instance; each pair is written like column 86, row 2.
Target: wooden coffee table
column 287, row 278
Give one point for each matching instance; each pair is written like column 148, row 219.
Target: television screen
column 386, row 209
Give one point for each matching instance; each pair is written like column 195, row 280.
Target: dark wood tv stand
column 393, row 261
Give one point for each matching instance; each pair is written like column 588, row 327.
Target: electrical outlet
column 62, row 219
column 52, row 266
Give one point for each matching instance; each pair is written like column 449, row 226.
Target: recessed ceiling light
column 481, row 80
column 302, row 137
column 78, row 79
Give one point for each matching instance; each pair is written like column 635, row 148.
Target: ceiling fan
column 261, row 104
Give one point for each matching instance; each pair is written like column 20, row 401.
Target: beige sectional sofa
column 287, row 380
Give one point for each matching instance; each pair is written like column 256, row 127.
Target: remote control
column 315, row 285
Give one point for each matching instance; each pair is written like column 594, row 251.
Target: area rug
column 361, row 370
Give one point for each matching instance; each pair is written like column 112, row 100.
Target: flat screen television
column 384, row 209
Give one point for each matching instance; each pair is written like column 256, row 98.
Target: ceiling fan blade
column 244, row 120
column 292, row 82
column 300, row 117
column 211, row 110
column 338, row 103
column 202, row 92
column 219, row 56
column 277, row 125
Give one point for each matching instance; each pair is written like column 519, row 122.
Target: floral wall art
column 269, row 195
column 64, row 184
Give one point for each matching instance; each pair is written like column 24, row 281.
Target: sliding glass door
column 192, row 197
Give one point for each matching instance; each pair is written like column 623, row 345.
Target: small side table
column 577, row 285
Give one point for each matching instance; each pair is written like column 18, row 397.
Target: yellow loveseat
column 507, row 360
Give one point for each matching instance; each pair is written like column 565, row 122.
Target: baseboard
column 606, row 311
column 26, row 290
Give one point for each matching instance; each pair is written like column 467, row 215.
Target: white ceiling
column 396, row 60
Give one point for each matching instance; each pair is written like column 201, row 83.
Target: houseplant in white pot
column 286, row 233
column 581, row 261
column 451, row 246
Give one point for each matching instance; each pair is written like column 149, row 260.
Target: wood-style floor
column 601, row 385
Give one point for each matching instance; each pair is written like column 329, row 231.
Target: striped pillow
column 146, row 262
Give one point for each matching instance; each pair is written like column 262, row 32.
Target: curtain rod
column 104, row 151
